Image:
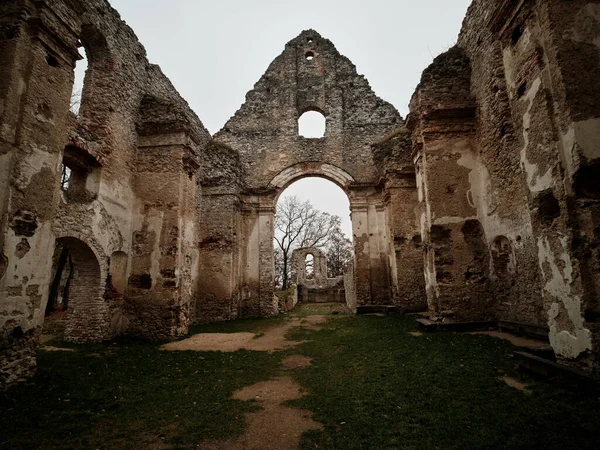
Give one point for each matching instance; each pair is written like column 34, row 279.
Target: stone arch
column 88, row 313
column 291, row 174
column 278, row 185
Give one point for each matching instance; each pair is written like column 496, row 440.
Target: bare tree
column 75, row 102
column 300, row 224
column 339, row 253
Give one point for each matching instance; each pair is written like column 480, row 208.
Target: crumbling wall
column 392, row 156
column 548, row 54
column 442, row 120
column 118, row 131
column 219, row 235
column 310, row 75
column 315, row 286
column 510, row 132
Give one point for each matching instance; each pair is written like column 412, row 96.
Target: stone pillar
column 442, row 121
column 223, row 236
column 37, row 57
column 257, row 290
column 371, row 263
column 359, row 212
column 406, row 250
column 456, row 252
column 164, row 254
column 267, row 300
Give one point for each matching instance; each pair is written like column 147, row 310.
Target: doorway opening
column 75, row 294
column 313, row 247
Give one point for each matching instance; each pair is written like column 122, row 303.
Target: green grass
column 130, row 397
column 303, row 310
column 372, row 385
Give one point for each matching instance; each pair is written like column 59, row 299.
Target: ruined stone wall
column 316, row 286
column 509, row 113
column 265, row 129
column 549, row 55
column 502, row 198
column 456, row 256
column 219, row 234
column 36, row 63
column 310, row 75
column 392, row 156
column 130, row 118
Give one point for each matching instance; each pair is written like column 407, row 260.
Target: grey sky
column 214, row 51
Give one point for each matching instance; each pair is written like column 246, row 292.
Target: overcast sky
column 214, row 51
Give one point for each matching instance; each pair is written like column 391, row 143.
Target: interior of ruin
column 482, row 204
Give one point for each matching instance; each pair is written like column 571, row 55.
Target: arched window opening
column 309, row 266
column 62, row 275
column 77, row 93
column 312, row 125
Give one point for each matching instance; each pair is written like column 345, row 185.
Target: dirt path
column 269, row 340
column 275, row 426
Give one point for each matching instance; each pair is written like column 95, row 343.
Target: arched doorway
column 369, row 280
column 312, row 217
column 76, row 292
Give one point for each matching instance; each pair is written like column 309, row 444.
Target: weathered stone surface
column 502, row 137
column 312, row 284
column 483, row 205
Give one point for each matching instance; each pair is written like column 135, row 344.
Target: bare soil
column 296, row 362
column 271, row 339
column 275, row 427
column 513, row 382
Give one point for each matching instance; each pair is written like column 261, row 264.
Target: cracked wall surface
column 483, row 204
column 133, row 133
column 507, row 121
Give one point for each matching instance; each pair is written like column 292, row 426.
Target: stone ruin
column 310, row 280
column 483, row 204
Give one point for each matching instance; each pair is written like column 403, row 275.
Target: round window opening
column 310, row 56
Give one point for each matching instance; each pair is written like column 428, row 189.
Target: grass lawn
column 372, row 385
column 131, row 396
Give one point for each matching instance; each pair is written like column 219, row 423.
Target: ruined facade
column 483, row 204
column 309, row 276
